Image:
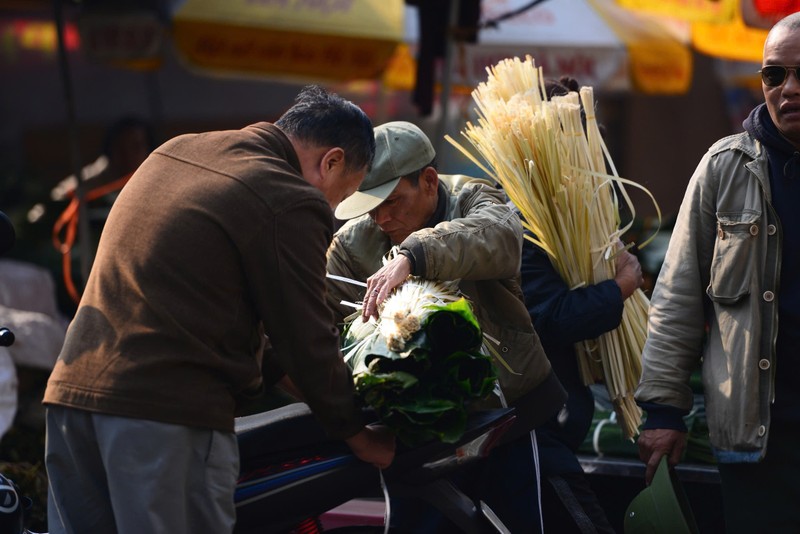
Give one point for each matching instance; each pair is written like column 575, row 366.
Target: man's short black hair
column 327, row 120
column 413, row 178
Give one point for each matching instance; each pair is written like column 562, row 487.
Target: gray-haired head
column 326, row 119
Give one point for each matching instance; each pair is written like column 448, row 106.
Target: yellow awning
column 732, row 40
column 725, row 29
column 336, row 40
column 691, row 10
column 659, row 62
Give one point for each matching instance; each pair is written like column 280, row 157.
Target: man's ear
column 429, row 180
column 332, row 162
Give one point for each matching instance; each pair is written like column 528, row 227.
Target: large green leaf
column 453, row 327
column 426, row 419
column 378, row 389
column 472, row 372
column 422, row 392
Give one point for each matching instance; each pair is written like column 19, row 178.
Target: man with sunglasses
column 731, row 270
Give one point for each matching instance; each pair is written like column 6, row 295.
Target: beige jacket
column 721, row 269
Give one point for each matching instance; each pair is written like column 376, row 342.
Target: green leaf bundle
column 420, row 380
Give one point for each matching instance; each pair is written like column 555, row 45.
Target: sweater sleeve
column 663, row 416
column 299, row 324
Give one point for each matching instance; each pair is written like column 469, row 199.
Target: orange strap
column 68, row 223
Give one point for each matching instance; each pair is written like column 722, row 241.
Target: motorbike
column 14, row 504
column 6, row 337
column 291, row 474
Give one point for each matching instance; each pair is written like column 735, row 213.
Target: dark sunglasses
column 775, row 75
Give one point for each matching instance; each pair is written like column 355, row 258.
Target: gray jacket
column 479, row 242
column 721, row 270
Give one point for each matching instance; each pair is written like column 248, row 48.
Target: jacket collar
column 277, row 141
column 441, row 207
column 783, row 157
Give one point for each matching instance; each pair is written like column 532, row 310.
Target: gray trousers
column 119, row 475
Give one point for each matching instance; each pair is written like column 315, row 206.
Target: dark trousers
column 569, row 503
column 764, row 497
column 571, row 506
column 507, row 482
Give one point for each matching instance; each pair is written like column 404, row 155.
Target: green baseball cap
column 662, row 507
column 400, row 149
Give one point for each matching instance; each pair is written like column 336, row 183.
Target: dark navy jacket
column 562, row 318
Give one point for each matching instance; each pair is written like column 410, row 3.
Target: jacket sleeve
column 483, row 242
column 678, row 307
column 560, row 315
column 299, row 325
column 340, row 263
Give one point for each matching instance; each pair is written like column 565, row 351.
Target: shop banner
column 335, row 40
column 689, row 10
column 594, row 41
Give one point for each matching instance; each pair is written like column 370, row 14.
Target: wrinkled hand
column 629, row 273
column 380, row 284
column 374, row 445
column 658, row 442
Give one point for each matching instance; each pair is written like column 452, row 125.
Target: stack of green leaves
column 421, row 387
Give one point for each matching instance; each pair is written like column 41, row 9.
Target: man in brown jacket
column 218, row 238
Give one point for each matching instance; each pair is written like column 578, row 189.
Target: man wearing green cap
column 452, row 228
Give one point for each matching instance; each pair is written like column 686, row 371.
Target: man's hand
column 374, row 445
column 629, row 273
column 288, row 386
column 380, row 284
column 658, row 442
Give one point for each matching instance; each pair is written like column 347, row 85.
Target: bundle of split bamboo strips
column 554, row 169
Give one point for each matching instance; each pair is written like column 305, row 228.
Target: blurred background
column 73, row 72
column 90, row 87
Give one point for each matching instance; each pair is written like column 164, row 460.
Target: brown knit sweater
column 214, row 236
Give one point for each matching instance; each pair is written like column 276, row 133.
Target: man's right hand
column 658, row 442
column 381, row 284
column 629, row 273
column 374, row 445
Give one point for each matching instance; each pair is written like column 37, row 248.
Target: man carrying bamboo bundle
column 564, row 316
column 451, row 228
column 730, row 271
